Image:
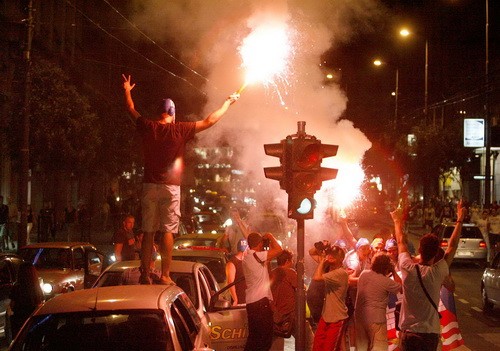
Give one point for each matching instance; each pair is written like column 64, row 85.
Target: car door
column 94, row 265
column 492, row 284
column 229, row 325
column 7, row 280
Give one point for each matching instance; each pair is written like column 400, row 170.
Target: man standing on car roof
column 164, row 142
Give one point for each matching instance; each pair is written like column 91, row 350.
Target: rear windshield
column 467, row 232
column 131, row 277
column 216, row 265
column 106, row 330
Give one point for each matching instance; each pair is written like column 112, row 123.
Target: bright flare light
column 265, row 53
column 346, row 188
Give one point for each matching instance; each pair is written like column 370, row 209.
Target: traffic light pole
column 300, row 337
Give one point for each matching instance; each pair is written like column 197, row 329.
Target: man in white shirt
column 258, row 292
column 419, row 321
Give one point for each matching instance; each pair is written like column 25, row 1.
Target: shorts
column 160, row 207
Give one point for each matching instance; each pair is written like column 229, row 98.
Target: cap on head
column 242, row 245
column 378, row 243
column 362, row 242
column 390, row 243
column 167, row 106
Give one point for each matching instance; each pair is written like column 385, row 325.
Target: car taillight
column 482, row 244
column 444, row 243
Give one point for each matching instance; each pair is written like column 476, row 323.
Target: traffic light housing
column 306, row 174
column 280, row 173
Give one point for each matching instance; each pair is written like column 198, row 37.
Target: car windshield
column 104, row 330
column 467, row 233
column 130, row 276
column 47, row 258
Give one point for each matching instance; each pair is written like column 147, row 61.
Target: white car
column 490, row 285
column 152, row 318
column 228, row 325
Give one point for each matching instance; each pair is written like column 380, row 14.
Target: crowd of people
column 352, row 284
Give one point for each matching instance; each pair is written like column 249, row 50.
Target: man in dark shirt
column 164, row 145
column 124, row 240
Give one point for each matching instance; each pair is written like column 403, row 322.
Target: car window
column 195, row 242
column 185, row 327
column 205, row 290
column 467, row 233
column 94, row 262
column 103, row 330
column 79, row 258
column 208, row 278
column 496, row 262
column 216, row 265
column 48, row 258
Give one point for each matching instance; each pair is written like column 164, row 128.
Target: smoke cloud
column 207, row 34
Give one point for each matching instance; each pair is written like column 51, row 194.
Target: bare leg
column 146, row 253
column 166, row 247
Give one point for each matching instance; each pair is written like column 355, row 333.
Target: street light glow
column 377, row 63
column 404, row 32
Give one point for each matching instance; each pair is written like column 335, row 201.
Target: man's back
column 417, row 312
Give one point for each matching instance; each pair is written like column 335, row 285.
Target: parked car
column 490, row 285
column 215, row 259
column 64, row 266
column 9, row 266
column 228, row 324
column 471, row 245
column 134, row 318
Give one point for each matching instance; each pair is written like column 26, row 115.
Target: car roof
column 57, row 245
column 175, row 266
column 123, row 297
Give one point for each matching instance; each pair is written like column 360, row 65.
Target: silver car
column 133, row 318
column 471, row 245
column 490, row 285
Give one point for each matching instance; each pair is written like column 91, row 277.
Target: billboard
column 474, row 132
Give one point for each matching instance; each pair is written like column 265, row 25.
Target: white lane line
column 476, row 309
column 463, row 301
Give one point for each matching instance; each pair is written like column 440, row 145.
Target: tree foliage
column 63, row 135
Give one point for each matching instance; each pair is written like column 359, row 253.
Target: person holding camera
column 329, row 331
column 316, row 290
column 258, row 292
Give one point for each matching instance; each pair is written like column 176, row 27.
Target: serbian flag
column 450, row 332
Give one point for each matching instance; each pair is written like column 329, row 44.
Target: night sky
column 455, row 30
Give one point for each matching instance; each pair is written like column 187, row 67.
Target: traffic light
column 306, row 174
column 281, row 150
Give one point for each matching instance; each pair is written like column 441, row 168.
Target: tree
column 433, row 153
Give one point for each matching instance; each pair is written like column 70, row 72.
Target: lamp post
column 487, row 115
column 405, row 33
column 379, row 63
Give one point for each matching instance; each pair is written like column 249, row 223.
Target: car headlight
column 112, row 258
column 47, row 288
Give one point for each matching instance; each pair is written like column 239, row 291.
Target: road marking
column 463, row 301
column 477, row 309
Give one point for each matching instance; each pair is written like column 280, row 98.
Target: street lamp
column 379, row 63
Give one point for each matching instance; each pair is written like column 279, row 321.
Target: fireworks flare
column 265, row 53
